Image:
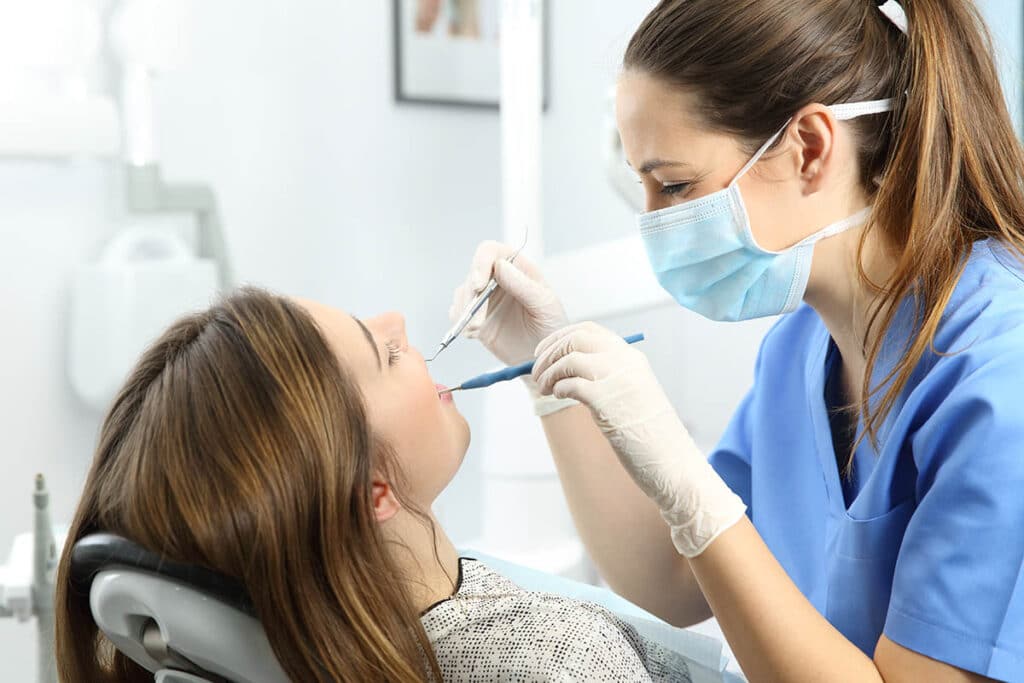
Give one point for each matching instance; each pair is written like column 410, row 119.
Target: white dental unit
column 149, row 273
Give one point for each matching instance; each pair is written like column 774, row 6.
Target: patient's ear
column 385, row 504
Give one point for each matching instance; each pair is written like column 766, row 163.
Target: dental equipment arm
column 27, row 580
column 44, row 565
column 150, row 38
column 148, row 192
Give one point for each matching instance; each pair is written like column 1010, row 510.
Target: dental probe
column 489, row 378
column 475, row 305
column 462, row 322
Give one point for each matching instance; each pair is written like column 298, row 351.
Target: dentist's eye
column 678, row 188
column 394, row 353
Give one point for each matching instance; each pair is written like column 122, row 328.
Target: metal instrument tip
column 437, row 353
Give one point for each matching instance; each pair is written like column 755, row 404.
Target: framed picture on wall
column 448, row 52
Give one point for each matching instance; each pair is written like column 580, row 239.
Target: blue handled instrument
column 489, row 378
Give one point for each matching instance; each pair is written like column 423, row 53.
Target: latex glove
column 520, row 313
column 598, row 368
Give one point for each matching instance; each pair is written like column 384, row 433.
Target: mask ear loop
column 842, row 112
column 760, row 153
column 854, row 110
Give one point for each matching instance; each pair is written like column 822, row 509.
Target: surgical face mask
column 704, row 252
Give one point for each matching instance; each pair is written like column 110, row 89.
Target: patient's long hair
column 240, row 443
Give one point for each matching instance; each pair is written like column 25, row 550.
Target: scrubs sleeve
column 958, row 590
column 732, row 456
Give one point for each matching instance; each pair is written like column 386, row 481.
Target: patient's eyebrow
column 373, row 343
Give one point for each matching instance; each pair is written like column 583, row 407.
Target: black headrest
column 97, row 552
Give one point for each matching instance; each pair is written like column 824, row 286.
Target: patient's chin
column 466, row 432
column 467, row 437
column 460, row 439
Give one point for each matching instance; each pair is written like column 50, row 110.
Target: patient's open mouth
column 446, row 396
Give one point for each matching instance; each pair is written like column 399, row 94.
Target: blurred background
column 350, row 152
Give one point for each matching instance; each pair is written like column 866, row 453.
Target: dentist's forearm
column 620, row 526
column 775, row 633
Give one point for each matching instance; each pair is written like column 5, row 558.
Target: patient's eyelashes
column 394, row 353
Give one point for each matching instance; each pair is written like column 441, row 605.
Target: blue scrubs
column 926, row 542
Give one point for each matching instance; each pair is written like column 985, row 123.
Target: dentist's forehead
column 658, row 123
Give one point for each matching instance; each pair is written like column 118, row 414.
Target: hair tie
column 894, row 12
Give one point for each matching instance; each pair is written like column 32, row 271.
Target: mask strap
column 853, row 110
column 759, row 153
column 895, row 13
column 853, row 221
column 842, row 112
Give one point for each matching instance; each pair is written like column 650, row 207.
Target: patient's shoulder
column 491, row 628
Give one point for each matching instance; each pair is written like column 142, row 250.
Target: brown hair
column 240, row 443
column 950, row 164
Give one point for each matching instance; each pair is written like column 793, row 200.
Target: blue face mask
column 704, row 253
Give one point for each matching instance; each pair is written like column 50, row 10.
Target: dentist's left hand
column 598, row 368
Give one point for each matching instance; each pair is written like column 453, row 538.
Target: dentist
column 850, row 164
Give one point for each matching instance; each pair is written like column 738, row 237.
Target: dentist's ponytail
column 955, row 176
column 945, row 168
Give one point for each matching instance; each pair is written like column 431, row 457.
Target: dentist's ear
column 814, row 128
column 385, row 504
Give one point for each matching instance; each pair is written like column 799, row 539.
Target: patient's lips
column 447, row 397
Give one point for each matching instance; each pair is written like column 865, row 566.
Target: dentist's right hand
column 596, row 367
column 523, row 310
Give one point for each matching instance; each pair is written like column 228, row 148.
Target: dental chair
column 184, row 623
column 191, row 625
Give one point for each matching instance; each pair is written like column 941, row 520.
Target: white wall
column 329, row 190
column 1004, row 18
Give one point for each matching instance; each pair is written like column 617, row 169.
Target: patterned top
column 493, row 630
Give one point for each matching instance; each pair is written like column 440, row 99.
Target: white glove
column 521, row 312
column 589, row 363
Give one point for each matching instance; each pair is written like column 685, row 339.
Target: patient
column 299, row 450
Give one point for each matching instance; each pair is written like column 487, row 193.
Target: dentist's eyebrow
column 655, row 164
column 373, row 343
